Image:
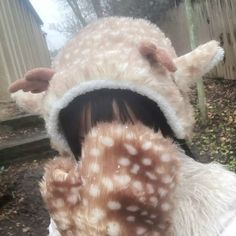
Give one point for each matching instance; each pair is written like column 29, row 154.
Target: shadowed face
column 107, row 105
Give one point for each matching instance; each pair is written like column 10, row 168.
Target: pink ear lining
column 35, row 81
column 157, row 55
column 42, row 74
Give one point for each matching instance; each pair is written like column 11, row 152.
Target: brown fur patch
column 124, row 183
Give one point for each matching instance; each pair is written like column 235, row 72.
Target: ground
column 216, row 140
column 22, row 211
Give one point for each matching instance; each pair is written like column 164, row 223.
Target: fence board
column 22, row 43
column 215, row 19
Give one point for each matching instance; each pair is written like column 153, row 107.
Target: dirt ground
column 22, row 211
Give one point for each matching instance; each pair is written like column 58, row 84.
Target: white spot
column 124, row 161
column 161, row 226
column 155, row 234
column 144, row 213
column 59, row 175
column 67, row 56
column 72, row 198
column 96, row 215
column 162, row 192
column 113, row 229
column 147, row 145
column 165, row 206
column 85, row 51
column 135, row 168
column 118, row 130
column 150, row 175
column 60, row 189
column 107, row 183
column 63, row 218
column 113, row 205
column 94, row 133
column 172, row 185
column 94, row 168
column 141, row 230
column 94, row 190
column 132, row 208
column 167, row 179
column 142, row 199
column 107, row 141
column 149, row 222
column 158, row 148
column 154, row 201
column 160, row 170
column 129, row 136
column 165, row 157
column 85, row 202
column 122, row 179
column 150, row 189
column 147, row 161
column 131, row 149
column 130, row 218
column 74, row 179
column 137, row 185
column 76, row 51
column 58, row 203
column 97, row 36
column 76, row 62
column 152, row 216
column 95, row 152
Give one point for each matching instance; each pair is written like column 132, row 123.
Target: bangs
column 107, row 105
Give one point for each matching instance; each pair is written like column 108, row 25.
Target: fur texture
column 133, row 166
column 115, row 53
column 115, row 49
column 123, row 185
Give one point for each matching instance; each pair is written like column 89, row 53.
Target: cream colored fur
column 108, row 52
column 109, row 49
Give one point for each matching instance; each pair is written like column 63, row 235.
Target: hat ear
column 35, row 81
column 158, row 55
column 28, row 92
column 192, row 66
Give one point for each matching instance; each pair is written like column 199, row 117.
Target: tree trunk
column 97, row 8
column 75, row 8
column 193, row 43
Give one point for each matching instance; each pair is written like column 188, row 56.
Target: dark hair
column 107, row 105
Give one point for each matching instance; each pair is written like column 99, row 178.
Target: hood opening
column 107, row 105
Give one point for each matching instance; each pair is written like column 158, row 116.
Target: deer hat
column 131, row 179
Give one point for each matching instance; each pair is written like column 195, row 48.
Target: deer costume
column 131, row 179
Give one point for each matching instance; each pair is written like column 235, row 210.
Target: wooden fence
column 22, row 42
column 215, row 19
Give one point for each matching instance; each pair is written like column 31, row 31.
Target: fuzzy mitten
column 123, row 184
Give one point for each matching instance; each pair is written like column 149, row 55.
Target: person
column 117, row 111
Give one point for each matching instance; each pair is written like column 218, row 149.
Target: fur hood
column 120, row 53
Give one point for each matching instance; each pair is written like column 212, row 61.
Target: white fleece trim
column 52, row 124
column 52, row 228
column 215, row 60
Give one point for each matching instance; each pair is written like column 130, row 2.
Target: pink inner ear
column 157, row 55
column 165, row 59
column 35, row 81
column 40, row 74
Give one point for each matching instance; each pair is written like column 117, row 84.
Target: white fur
column 204, row 195
column 53, row 229
column 218, row 57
